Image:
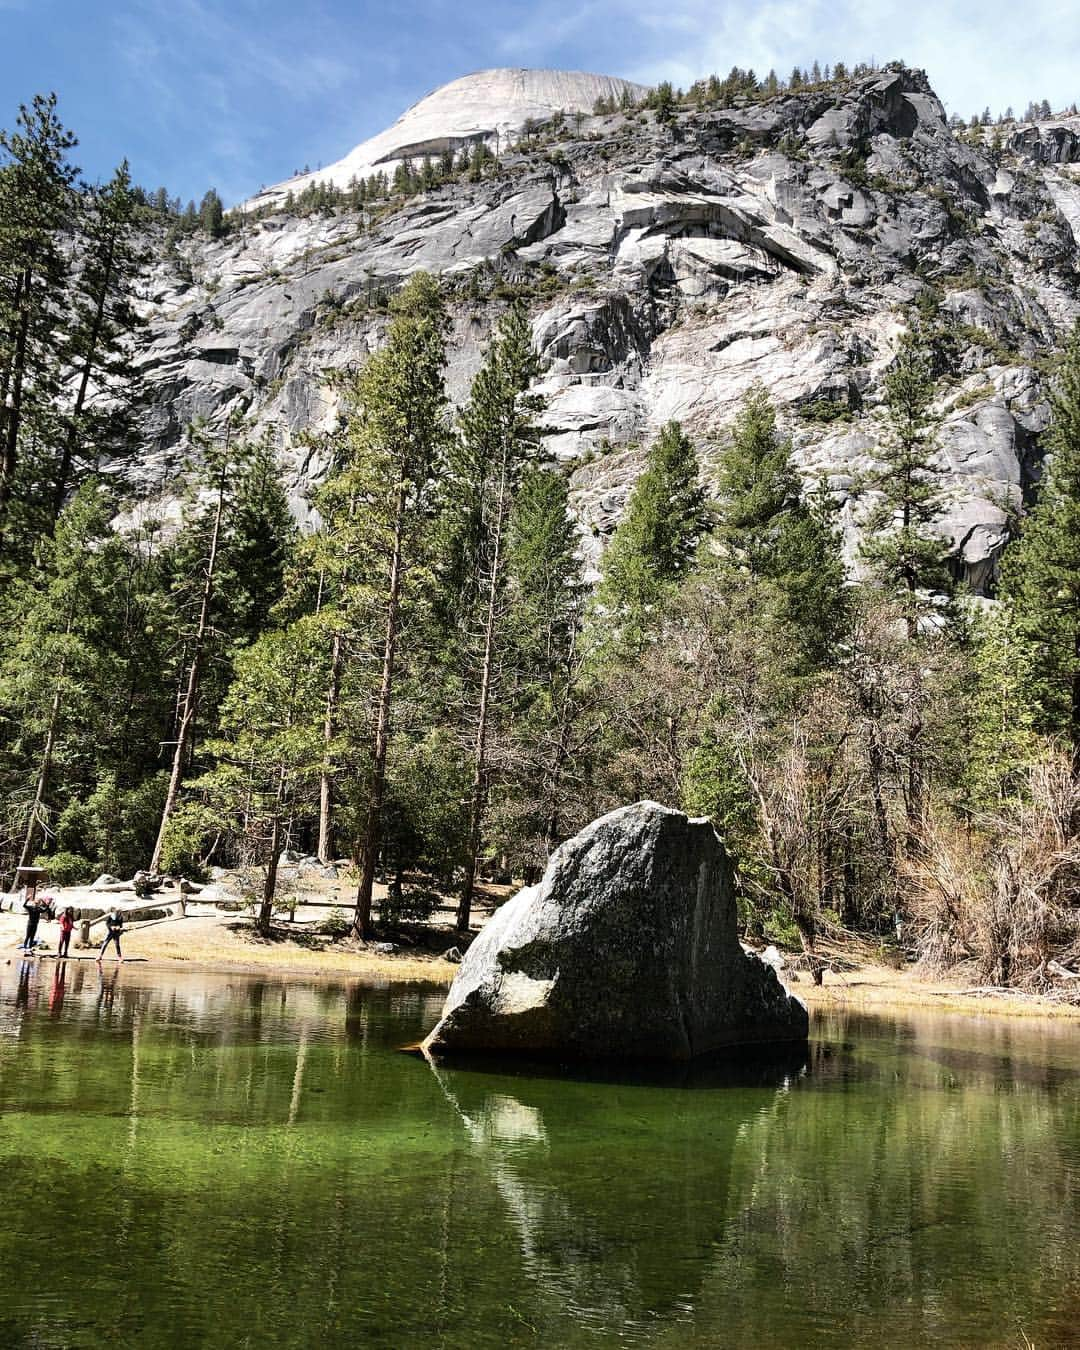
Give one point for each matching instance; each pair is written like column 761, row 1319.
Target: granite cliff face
column 667, row 268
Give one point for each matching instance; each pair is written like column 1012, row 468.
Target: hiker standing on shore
column 67, row 923
column 33, row 908
column 114, row 929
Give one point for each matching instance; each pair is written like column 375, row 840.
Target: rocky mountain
column 491, row 107
column 668, row 265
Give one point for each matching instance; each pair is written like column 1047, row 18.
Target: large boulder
column 627, row 949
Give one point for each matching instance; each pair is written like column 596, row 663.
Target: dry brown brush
column 1001, row 896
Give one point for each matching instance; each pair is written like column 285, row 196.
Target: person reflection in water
column 22, row 996
column 56, row 994
column 114, row 929
column 107, row 991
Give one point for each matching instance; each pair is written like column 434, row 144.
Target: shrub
column 336, row 925
column 67, row 869
column 190, row 829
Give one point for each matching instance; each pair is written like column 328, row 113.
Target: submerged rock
column 627, row 949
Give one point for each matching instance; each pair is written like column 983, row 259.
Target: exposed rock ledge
column 627, row 949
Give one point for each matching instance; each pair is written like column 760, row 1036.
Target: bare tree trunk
column 562, row 750
column 915, row 784
column 876, row 762
column 44, row 770
column 191, row 694
column 373, row 828
column 326, row 786
column 266, row 909
column 13, row 399
column 478, row 800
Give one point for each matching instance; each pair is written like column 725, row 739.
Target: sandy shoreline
column 226, row 943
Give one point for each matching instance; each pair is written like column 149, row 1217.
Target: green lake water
column 199, row 1160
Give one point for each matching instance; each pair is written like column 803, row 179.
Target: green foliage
column 1004, row 745
column 36, row 205
column 656, row 542
column 788, row 547
column 1040, row 586
column 66, row 869
column 191, row 831
column 899, row 544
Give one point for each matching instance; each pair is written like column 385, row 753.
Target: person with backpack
column 114, row 929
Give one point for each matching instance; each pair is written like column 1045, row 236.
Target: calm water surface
column 197, row 1161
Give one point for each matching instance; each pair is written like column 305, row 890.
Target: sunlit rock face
column 488, row 106
column 627, row 949
column 667, row 269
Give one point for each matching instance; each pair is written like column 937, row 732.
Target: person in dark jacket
column 114, row 929
column 33, row 917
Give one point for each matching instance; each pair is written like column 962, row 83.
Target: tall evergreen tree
column 899, row 545
column 1041, row 573
column 36, row 197
column 103, row 314
column 55, row 679
column 765, row 528
column 267, row 750
column 396, row 438
column 544, row 623
column 655, row 543
column 228, row 567
column 905, row 556
column 498, row 436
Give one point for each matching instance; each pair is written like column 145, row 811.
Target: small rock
column 452, row 954
column 385, row 948
column 106, row 879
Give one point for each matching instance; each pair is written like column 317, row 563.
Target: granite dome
column 477, row 107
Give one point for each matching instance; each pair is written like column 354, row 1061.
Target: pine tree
column 663, row 101
column 54, row 678
column 1004, row 743
column 498, row 436
column 544, row 575
column 103, row 315
column 263, row 536
column 899, row 546
column 229, row 567
column 1041, row 573
column 904, row 555
column 769, row 532
column 396, row 438
column 655, row 543
column 268, row 749
column 212, row 214
column 36, row 194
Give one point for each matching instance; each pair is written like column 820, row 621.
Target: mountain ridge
column 669, row 263
column 482, row 106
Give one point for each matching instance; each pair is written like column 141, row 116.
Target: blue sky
column 236, row 93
